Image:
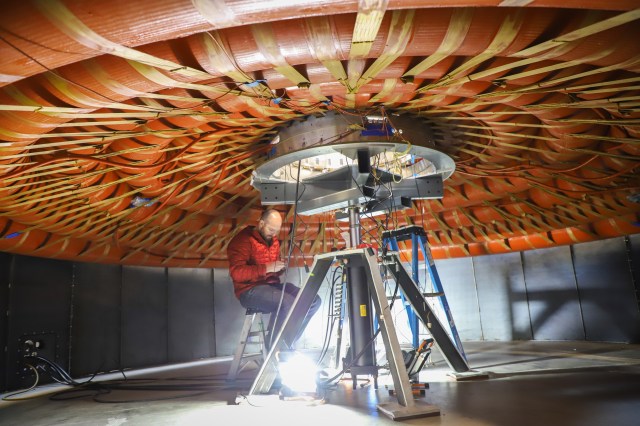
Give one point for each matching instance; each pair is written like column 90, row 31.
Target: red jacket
column 248, row 253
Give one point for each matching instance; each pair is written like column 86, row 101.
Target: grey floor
column 530, row 383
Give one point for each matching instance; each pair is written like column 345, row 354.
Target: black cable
column 126, row 401
column 56, row 372
column 79, row 392
column 11, row 396
column 89, row 388
column 359, row 354
column 329, row 327
column 331, row 313
column 94, row 389
column 292, row 232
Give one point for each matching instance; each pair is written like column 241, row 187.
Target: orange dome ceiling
column 129, row 130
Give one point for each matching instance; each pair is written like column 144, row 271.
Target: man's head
column 269, row 224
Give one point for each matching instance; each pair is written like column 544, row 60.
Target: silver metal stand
column 406, row 407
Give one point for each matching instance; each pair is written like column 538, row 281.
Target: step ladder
column 253, row 327
column 419, row 242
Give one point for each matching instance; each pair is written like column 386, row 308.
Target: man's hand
column 274, row 267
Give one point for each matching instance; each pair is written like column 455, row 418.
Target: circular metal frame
column 437, row 162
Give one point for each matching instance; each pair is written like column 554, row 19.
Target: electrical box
column 43, row 344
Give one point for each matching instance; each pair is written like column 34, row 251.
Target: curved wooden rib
column 135, row 143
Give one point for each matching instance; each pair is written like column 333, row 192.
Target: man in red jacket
column 256, row 269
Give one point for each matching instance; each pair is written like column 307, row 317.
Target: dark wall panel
column 138, row 317
column 95, row 329
column 191, row 325
column 144, row 316
column 5, row 277
column 633, row 256
column 502, row 297
column 39, row 299
column 229, row 314
column 459, row 285
column 606, row 291
column 552, row 294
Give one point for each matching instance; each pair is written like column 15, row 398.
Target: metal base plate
column 469, row 375
column 396, row 412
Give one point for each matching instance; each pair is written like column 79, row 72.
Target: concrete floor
column 530, row 383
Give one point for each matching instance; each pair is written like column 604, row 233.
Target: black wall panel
column 5, row 276
column 459, row 285
column 606, row 291
column 144, row 316
column 502, row 297
column 40, row 302
column 191, row 324
column 633, row 256
column 95, row 327
column 552, row 294
column 229, row 314
column 102, row 317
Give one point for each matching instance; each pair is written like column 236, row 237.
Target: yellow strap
column 507, row 33
column 101, row 75
column 71, row 25
column 217, row 12
column 399, row 34
column 387, row 88
column 368, row 20
column 583, row 32
column 456, row 33
column 268, row 46
column 320, row 35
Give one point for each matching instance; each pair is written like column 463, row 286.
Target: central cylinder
column 359, row 297
column 354, row 226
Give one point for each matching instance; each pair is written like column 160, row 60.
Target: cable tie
column 253, row 83
column 138, row 201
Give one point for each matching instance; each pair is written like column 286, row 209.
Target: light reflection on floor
column 531, row 383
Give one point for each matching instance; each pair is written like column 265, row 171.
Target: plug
column 29, row 348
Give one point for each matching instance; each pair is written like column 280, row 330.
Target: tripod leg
column 291, row 326
column 392, row 346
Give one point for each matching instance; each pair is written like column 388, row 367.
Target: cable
column 74, row 83
column 359, row 354
column 331, row 314
column 88, row 388
column 10, row 397
column 56, row 372
column 292, row 233
column 95, row 390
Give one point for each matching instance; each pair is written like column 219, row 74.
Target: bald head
column 269, row 224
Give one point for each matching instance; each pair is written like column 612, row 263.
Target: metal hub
column 375, row 162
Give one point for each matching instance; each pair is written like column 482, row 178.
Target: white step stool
column 240, row 359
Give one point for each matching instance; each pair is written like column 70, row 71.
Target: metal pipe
column 360, row 318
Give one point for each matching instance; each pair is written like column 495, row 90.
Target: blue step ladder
column 419, row 243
